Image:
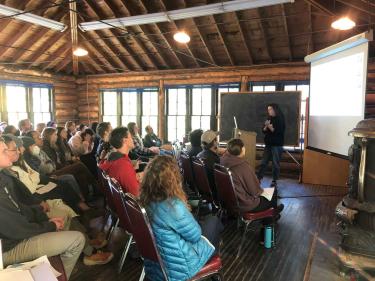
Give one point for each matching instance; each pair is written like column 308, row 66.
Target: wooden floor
column 306, row 244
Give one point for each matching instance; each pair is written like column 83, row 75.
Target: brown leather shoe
column 99, row 258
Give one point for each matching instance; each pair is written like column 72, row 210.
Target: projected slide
column 337, row 95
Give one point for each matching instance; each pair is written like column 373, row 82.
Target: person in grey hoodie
column 246, row 183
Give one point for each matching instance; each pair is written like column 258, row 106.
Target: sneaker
column 98, row 243
column 99, row 258
column 274, row 184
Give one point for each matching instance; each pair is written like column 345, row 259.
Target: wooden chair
column 146, row 243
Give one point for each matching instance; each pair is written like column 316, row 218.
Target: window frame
column 119, row 108
column 4, row 113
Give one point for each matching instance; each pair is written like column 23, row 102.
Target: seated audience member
column 118, row 165
column 40, row 127
column 82, row 144
column 24, row 126
column 93, row 126
column 39, row 161
column 3, row 125
column 51, row 124
column 151, row 139
column 195, row 141
column 103, row 130
column 209, row 155
column 29, row 233
column 184, row 245
column 33, row 181
column 245, row 181
column 10, row 129
column 70, row 128
column 138, row 143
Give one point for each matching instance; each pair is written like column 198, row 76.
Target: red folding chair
column 110, row 205
column 57, row 264
column 227, row 195
column 146, row 243
column 201, row 181
column 118, row 200
column 188, row 171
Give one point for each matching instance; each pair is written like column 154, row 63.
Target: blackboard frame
column 296, row 142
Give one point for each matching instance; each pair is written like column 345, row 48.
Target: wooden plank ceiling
column 274, row 34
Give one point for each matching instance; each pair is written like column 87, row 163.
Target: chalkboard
column 250, row 110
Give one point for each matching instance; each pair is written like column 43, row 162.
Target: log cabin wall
column 89, row 87
column 64, row 90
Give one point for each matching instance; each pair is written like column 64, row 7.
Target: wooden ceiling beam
column 140, row 40
column 116, row 52
column 285, row 21
column 168, row 43
column 108, row 60
column 41, row 51
column 34, row 38
column 74, row 34
column 263, row 32
column 58, row 54
column 322, row 6
column 225, row 44
column 61, row 65
column 359, row 6
column 115, row 11
column 178, row 27
column 311, row 37
column 243, row 37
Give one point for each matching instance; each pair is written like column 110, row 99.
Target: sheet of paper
column 46, row 188
column 15, row 274
column 268, row 193
column 43, row 272
column 30, row 264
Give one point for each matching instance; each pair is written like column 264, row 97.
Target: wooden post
column 244, row 87
column 161, row 111
column 74, row 34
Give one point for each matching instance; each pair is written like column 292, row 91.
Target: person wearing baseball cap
column 210, row 156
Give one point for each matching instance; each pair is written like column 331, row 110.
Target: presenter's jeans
column 271, row 153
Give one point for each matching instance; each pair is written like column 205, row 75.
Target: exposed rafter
column 285, row 21
column 168, row 42
column 74, row 35
column 220, row 32
column 311, row 37
column 243, row 38
column 177, row 27
column 57, row 55
column 263, row 32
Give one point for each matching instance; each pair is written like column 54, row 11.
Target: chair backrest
column 142, row 233
column 225, row 189
column 103, row 181
column 201, row 179
column 188, row 170
column 118, row 200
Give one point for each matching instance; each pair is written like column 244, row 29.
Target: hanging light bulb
column 343, row 23
column 80, row 52
column 181, row 37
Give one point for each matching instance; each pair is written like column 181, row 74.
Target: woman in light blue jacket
column 183, row 245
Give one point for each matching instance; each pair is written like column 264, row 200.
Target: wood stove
column 356, row 212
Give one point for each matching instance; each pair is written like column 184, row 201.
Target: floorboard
column 309, row 211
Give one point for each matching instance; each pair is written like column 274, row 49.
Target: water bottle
column 268, row 233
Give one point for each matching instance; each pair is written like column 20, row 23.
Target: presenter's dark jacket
column 275, row 138
column 246, row 183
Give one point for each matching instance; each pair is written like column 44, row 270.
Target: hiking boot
column 99, row 258
column 98, row 243
column 274, row 183
column 280, row 208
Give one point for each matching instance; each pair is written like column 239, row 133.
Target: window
column 16, row 97
column 150, row 110
column 121, row 106
column 263, row 87
column 25, row 101
column 129, row 107
column 41, row 105
column 176, row 113
column 201, row 108
column 304, row 88
column 109, row 108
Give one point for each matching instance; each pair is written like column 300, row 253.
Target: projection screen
column 337, row 97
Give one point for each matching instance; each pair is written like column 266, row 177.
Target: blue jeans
column 271, row 153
